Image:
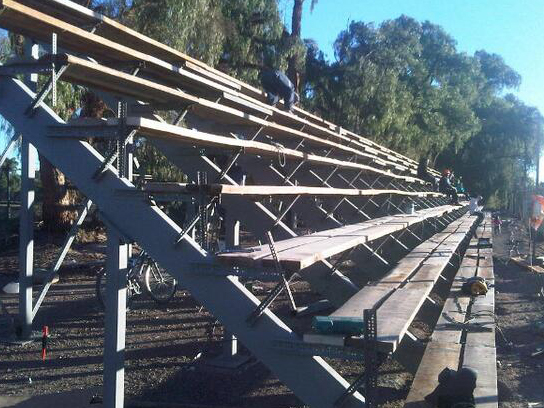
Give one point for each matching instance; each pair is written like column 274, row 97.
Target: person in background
column 278, row 86
column 445, row 187
column 497, row 222
column 424, row 174
column 473, row 206
column 458, row 184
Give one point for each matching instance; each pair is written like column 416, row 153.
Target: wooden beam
column 153, row 128
column 259, row 191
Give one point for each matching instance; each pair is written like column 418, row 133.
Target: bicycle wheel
column 101, row 290
column 159, row 284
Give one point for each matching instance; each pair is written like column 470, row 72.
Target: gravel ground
column 166, row 348
column 520, row 315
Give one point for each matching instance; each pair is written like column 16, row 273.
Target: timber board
column 153, row 128
column 259, row 191
column 484, row 361
column 437, row 357
column 301, row 252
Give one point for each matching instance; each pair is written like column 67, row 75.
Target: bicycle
column 144, row 276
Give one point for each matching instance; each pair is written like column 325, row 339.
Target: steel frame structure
column 174, row 246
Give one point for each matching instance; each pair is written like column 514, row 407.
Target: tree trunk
column 59, row 202
column 296, row 25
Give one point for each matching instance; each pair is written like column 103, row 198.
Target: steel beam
column 64, row 251
column 315, row 382
column 115, row 321
column 29, row 157
column 333, row 285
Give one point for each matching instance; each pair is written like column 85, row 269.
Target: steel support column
column 115, row 321
column 26, row 237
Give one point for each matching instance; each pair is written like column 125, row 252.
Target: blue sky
column 513, row 29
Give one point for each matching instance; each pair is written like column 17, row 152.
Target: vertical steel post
column 115, row 321
column 26, row 216
column 8, row 193
column 26, row 237
column 232, row 232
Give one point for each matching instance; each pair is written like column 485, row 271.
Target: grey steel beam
column 115, row 320
column 64, row 251
column 29, row 157
column 26, row 236
column 310, row 378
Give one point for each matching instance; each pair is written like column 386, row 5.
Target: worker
column 424, row 174
column 445, row 187
column 278, row 86
column 497, row 222
column 458, row 184
column 473, row 206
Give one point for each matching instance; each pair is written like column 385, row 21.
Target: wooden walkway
column 464, row 335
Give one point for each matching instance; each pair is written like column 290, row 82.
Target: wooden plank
column 272, row 190
column 255, row 256
column 455, row 307
column 400, row 308
column 437, row 357
column 80, row 40
column 484, row 361
column 300, row 252
column 111, row 30
column 479, row 349
column 397, row 313
column 153, row 128
column 78, row 15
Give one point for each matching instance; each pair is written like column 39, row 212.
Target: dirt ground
column 520, row 315
column 168, row 349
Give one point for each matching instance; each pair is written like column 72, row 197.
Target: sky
column 513, row 29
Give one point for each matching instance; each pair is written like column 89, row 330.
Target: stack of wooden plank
column 91, row 33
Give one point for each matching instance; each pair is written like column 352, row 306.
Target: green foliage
column 402, row 83
column 239, row 36
column 14, row 179
column 154, row 163
column 254, row 37
column 405, row 85
column 191, row 26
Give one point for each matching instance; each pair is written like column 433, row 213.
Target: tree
column 296, row 59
